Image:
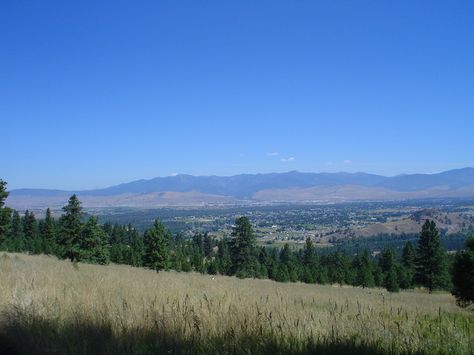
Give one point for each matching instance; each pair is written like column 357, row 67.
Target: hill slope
column 50, row 306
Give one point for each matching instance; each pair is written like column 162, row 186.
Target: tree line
column 81, row 239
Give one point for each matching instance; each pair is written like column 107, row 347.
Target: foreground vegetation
column 57, row 307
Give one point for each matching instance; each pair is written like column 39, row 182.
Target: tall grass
column 55, row 307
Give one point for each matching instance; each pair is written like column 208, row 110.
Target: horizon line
column 227, row 176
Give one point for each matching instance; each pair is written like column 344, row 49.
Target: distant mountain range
column 293, row 186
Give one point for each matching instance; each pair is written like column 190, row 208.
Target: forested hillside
column 423, row 263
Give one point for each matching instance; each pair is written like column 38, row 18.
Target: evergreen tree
column 309, row 262
column 176, row 259
column 30, row 227
column 322, row 276
column 389, row 267
column 287, row 260
column 15, row 240
column 212, row 267
column 263, row 256
column 293, row 272
column 408, row 266
column 16, row 230
column 379, row 279
column 30, row 232
column 119, row 243
column 262, row 263
column 5, row 213
column 391, row 280
column 272, row 263
column 207, row 245
column 197, row 260
column 337, row 269
column 223, row 257
column 243, row 248
column 463, row 274
column 364, row 270
column 136, row 247
column 48, row 233
column 198, row 243
column 282, row 274
column 262, row 271
column 108, row 229
column 3, row 193
column 156, row 241
column 71, row 229
column 94, row 245
column 185, row 263
column 409, row 255
column 309, row 254
column 431, row 269
column 285, row 255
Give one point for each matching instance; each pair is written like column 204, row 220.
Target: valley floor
column 49, row 306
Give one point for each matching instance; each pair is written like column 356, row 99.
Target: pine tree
column 3, row 193
column 211, row 266
column 337, row 269
column 119, row 242
column 309, row 254
column 285, row 255
column 431, row 269
column 243, row 248
column 463, row 274
column 263, row 261
column 30, row 227
column 389, row 267
column 224, row 258
column 309, row 262
column 48, row 233
column 207, row 245
column 71, row 229
column 364, row 270
column 263, row 256
column 391, row 280
column 287, row 259
column 157, row 242
column 5, row 213
column 15, row 240
column 197, row 260
column 408, row 265
column 94, row 246
column 136, row 247
column 198, row 243
column 272, row 263
column 30, row 232
column 322, row 276
column 409, row 255
column 282, row 274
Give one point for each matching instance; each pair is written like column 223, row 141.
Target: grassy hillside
column 50, row 306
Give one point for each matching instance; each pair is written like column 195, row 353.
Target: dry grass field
column 54, row 307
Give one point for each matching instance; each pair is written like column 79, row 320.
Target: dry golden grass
column 51, row 306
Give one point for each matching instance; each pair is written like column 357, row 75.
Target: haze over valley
column 290, row 187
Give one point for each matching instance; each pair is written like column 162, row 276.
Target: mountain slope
column 292, row 186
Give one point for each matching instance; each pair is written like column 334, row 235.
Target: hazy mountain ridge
column 272, row 187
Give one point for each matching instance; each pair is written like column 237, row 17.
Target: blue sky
column 94, row 93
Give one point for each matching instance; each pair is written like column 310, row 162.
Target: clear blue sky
column 94, row 93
